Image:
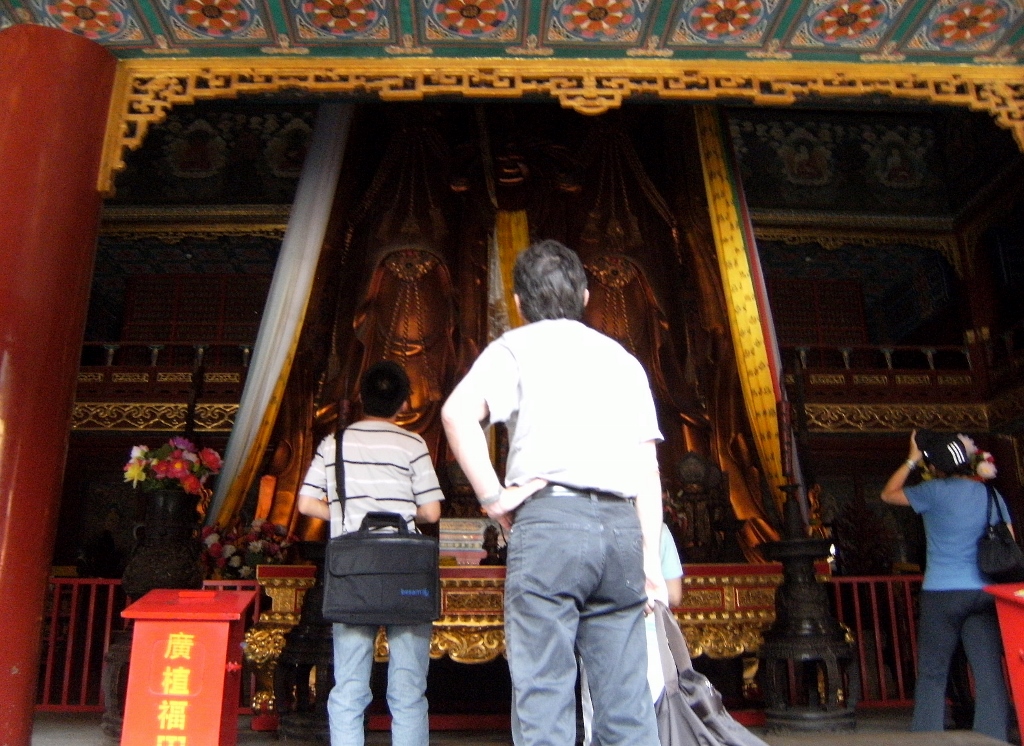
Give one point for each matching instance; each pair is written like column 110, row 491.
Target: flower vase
column 167, row 554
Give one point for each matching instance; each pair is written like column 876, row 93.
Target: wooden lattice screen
column 194, row 309
column 818, row 312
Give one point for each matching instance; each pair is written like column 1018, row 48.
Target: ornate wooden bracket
column 145, row 90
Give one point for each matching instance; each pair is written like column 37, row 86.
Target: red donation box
column 1010, row 607
column 186, row 668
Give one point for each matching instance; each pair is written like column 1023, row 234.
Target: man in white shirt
column 582, row 481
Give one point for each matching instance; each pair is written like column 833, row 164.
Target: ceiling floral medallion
column 214, row 19
column 966, row 26
column 716, row 20
column 723, row 22
column 341, row 18
column 844, row 20
column 471, row 19
column 591, row 20
column 850, row 24
column 98, row 20
column 93, row 19
column 968, row 22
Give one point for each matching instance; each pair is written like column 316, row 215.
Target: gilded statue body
column 410, row 283
column 408, row 316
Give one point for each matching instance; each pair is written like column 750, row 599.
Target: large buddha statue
column 395, row 300
column 407, row 279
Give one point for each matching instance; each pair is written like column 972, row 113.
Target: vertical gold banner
column 744, row 315
column 513, row 233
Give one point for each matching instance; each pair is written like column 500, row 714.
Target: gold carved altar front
column 725, row 610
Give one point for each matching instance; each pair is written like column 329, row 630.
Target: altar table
column 724, row 612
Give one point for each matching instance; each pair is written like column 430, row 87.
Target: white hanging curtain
column 284, row 312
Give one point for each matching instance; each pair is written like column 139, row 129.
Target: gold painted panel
column 904, row 379
column 871, row 380
column 955, row 380
column 755, row 597
column 827, row 379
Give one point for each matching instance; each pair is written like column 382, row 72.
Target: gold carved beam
column 150, row 416
column 889, row 418
column 146, row 89
column 995, row 415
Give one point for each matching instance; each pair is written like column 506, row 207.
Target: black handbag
column 999, row 556
column 380, row 577
column 690, row 710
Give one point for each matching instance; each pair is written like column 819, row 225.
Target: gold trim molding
column 150, row 416
column 994, row 415
column 146, row 89
column 888, row 418
column 174, row 224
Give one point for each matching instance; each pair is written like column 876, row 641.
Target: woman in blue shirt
column 954, row 506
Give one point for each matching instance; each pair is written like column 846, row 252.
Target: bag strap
column 675, row 655
column 994, row 503
column 339, row 472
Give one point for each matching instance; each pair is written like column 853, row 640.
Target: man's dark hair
column 384, row 389
column 549, row 280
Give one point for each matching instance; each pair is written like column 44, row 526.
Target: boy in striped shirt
column 386, row 468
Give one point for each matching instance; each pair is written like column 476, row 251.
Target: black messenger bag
column 381, row 574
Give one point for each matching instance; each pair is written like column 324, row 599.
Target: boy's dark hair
column 550, row 280
column 384, row 389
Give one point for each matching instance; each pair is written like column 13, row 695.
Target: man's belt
column 560, row 490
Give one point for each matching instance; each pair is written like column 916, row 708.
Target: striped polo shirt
column 386, row 468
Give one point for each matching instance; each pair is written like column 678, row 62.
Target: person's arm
column 675, row 591
column 429, row 512
column 425, row 486
column 461, row 415
column 649, row 510
column 893, row 492
column 314, row 508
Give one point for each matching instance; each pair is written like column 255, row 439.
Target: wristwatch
column 490, row 499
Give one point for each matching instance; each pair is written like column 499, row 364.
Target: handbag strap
column 339, row 472
column 675, row 655
column 993, row 503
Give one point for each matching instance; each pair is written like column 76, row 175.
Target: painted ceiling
column 978, row 32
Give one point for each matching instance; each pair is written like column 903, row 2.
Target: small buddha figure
column 699, row 514
column 495, row 554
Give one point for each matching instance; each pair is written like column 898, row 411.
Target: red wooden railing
column 81, row 616
column 82, row 613
column 881, row 613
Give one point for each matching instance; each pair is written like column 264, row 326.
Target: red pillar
column 54, row 93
